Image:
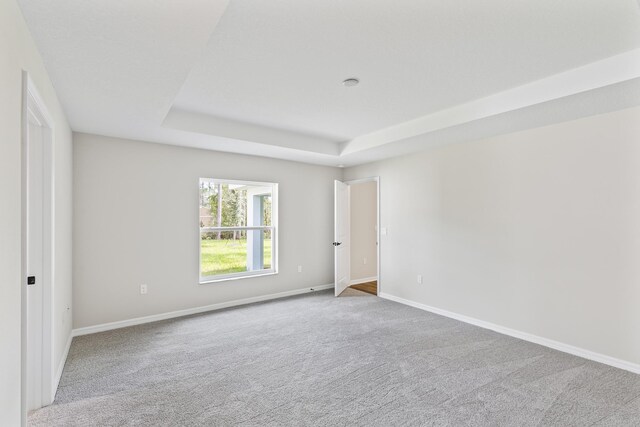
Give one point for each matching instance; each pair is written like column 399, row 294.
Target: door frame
column 377, row 181
column 34, row 106
column 341, row 243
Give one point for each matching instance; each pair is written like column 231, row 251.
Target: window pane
column 228, row 204
column 267, row 245
column 206, row 214
column 222, row 256
column 249, row 250
column 234, row 205
column 265, row 254
column 266, row 210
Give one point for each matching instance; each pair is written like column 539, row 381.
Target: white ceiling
column 264, row 77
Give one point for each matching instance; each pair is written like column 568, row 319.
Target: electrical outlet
column 299, row 269
column 419, row 279
column 364, row 260
column 143, row 289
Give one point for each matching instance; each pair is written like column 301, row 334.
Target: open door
column 341, row 237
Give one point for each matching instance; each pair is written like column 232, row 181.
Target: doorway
column 37, row 250
column 357, row 225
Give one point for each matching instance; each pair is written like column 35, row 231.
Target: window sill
column 208, row 281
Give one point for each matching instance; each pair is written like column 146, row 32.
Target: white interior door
column 34, row 263
column 341, row 237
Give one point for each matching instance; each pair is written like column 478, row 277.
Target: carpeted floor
column 357, row 360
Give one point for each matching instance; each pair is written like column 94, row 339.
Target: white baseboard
column 56, row 379
column 365, row 280
column 186, row 312
column 556, row 345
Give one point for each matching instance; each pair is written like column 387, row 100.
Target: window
column 238, row 229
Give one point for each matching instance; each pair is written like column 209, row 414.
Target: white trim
column 239, row 182
column 365, row 280
column 361, row 180
column 556, row 345
column 207, row 280
column 376, row 179
column 33, row 105
column 63, row 360
column 258, row 227
column 189, row 311
column 23, row 250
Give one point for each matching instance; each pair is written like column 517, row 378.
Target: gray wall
column 538, row 231
column 18, row 52
column 136, row 221
column 363, row 210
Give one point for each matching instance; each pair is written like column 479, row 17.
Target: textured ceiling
column 118, row 65
column 280, row 64
column 264, row 78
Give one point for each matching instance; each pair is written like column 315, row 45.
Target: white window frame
column 273, row 227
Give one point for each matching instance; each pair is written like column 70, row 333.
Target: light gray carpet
column 324, row 361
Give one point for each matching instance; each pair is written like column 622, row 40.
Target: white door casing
column 375, row 179
column 341, row 237
column 38, row 384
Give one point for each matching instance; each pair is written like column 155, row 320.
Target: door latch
column 31, row 280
